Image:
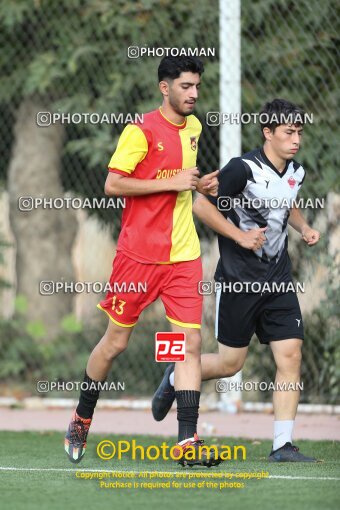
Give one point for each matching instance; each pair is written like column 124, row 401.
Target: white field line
column 74, row 470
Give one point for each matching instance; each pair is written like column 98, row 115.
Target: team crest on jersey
column 291, row 182
column 193, row 143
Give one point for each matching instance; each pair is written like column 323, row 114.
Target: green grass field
column 45, row 479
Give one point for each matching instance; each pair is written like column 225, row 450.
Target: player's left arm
column 208, row 184
column 298, row 222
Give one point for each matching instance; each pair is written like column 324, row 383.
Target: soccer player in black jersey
column 255, row 203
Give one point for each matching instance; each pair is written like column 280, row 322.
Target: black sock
column 187, row 412
column 88, row 398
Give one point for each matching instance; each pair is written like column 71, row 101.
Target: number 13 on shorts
column 118, row 305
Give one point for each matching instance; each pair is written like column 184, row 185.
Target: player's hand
column 208, row 184
column 185, row 180
column 310, row 236
column 252, row 239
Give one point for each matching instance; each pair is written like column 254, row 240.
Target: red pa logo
column 169, row 346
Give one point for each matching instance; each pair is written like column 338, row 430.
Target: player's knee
column 193, row 343
column 113, row 348
column 114, row 343
column 290, row 359
column 228, row 369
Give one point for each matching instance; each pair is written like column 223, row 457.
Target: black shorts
column 271, row 316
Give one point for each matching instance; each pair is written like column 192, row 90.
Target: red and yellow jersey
column 158, row 228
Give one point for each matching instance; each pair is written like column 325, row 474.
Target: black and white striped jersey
column 253, row 193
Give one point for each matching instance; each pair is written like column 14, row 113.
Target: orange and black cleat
column 193, row 452
column 75, row 439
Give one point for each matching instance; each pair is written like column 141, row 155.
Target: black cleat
column 289, row 453
column 194, row 453
column 164, row 396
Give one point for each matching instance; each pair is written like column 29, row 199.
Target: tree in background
column 71, row 56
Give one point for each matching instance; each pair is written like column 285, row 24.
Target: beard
column 178, row 108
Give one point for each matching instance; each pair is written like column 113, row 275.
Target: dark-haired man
column 255, row 202
column 154, row 167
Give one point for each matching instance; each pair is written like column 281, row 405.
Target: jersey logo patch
column 291, row 182
column 160, row 146
column 193, row 143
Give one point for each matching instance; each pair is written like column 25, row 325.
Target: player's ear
column 267, row 134
column 164, row 88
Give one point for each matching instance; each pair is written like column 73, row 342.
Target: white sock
column 283, row 430
column 172, row 378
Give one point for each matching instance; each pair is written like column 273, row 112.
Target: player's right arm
column 209, row 215
column 232, row 181
column 117, row 185
column 131, row 149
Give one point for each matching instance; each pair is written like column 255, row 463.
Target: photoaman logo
column 107, row 450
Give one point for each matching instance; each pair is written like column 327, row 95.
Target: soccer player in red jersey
column 154, row 167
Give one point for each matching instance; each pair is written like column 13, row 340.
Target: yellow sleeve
column 131, row 149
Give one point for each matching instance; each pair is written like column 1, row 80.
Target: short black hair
column 172, row 67
column 280, row 111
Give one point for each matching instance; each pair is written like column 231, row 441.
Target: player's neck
column 171, row 115
column 276, row 161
